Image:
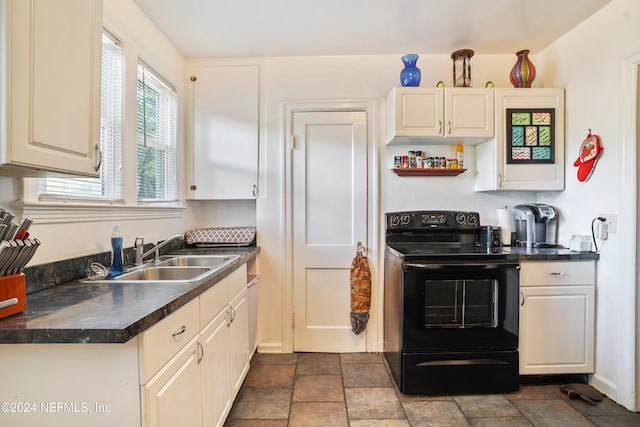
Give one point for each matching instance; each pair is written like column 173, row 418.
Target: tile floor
column 335, row 390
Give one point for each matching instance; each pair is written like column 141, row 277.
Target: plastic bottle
column 460, row 155
column 117, row 266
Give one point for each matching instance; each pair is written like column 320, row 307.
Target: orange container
column 13, row 294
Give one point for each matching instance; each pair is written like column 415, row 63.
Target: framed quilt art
column 530, row 135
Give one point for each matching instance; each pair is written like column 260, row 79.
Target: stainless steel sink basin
column 164, row 274
column 175, row 269
column 212, row 261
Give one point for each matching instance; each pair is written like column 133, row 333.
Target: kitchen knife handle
column 8, row 302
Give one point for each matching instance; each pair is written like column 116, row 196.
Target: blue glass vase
column 410, row 75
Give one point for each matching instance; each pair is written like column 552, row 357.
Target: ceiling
column 247, row 28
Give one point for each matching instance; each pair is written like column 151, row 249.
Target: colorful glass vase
column 410, row 75
column 523, row 72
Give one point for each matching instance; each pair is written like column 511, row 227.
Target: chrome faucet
column 156, row 248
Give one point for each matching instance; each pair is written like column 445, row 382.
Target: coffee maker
column 536, row 225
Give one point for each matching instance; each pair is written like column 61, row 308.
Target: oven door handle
column 483, row 266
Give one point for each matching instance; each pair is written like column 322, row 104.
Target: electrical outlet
column 611, row 221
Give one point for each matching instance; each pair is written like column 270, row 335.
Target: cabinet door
column 469, row 113
column 557, row 330
column 240, row 340
column 225, row 132
column 494, row 172
column 173, row 397
column 216, row 381
column 54, row 79
column 414, row 113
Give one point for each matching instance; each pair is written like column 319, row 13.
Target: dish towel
column 360, row 291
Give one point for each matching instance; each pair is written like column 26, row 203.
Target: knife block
column 13, row 294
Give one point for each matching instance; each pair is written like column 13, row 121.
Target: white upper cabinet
column 528, row 150
column 50, row 92
column 225, row 132
column 418, row 115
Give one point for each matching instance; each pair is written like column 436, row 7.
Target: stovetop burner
column 438, row 234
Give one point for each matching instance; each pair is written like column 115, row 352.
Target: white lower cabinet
column 225, row 341
column 216, row 389
column 186, row 370
column 172, row 397
column 239, row 335
column 557, row 317
column 194, row 361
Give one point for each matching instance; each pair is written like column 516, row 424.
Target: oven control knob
column 394, row 220
column 460, row 218
column 405, row 219
column 472, row 220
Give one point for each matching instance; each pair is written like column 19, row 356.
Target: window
column 109, row 185
column 157, row 119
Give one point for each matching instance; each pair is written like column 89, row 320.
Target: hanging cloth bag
column 360, row 291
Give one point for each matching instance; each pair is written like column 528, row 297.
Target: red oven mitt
column 360, row 277
column 590, row 150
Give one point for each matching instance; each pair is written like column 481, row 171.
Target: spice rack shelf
column 427, row 172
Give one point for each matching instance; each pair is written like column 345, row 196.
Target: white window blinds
column 109, row 185
column 157, row 123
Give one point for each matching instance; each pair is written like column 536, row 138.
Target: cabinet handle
column 439, row 127
column 449, row 127
column 522, row 298
column 229, row 317
column 557, row 275
column 499, row 180
column 255, row 190
column 200, row 352
column 179, row 331
column 233, row 314
column 98, row 156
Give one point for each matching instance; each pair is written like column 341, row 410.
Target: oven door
column 460, row 306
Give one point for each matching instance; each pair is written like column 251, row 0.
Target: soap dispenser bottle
column 117, row 265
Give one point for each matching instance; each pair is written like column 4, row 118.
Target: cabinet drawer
column 166, row 338
column 549, row 273
column 216, row 298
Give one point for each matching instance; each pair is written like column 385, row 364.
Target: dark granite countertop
column 77, row 312
column 549, row 254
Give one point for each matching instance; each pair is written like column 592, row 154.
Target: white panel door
column 329, row 185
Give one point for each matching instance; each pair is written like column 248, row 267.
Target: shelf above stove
column 427, row 172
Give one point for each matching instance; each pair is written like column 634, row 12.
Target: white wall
column 589, row 63
column 356, row 78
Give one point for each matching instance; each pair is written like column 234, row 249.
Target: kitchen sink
column 174, row 269
column 163, row 274
column 212, row 261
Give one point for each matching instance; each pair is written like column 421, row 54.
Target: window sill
column 74, row 212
